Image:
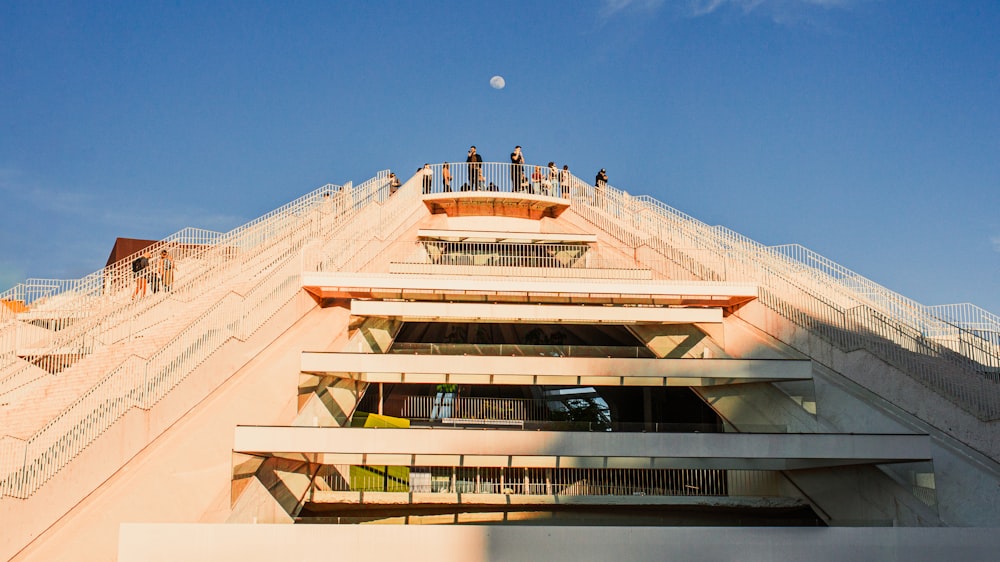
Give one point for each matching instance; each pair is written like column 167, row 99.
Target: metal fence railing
column 253, row 269
column 837, row 304
column 549, row 481
column 240, row 280
column 521, row 350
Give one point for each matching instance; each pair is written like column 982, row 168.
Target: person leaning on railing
column 394, row 184
column 446, row 177
column 140, row 270
column 599, row 184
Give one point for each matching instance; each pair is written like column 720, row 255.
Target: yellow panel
column 378, row 420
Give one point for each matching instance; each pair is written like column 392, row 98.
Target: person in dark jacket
column 600, row 183
column 516, row 170
column 475, row 162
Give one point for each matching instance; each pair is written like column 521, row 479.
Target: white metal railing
column 840, row 305
column 348, row 228
column 550, row 481
column 433, row 407
column 495, row 177
column 264, row 256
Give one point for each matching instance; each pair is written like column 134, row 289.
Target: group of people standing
column 148, row 274
column 541, row 180
column 547, row 180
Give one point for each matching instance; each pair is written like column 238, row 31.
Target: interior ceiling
column 521, row 334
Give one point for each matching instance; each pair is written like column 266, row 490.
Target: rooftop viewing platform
column 495, row 189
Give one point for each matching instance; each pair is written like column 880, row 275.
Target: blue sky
column 865, row 130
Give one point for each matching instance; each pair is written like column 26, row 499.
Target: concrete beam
column 489, row 543
column 339, row 285
column 411, row 311
column 589, row 371
column 479, row 499
column 498, row 236
column 554, row 449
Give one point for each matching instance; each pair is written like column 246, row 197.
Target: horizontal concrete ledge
column 495, row 203
column 496, row 236
column 521, row 271
column 431, row 287
column 437, row 447
column 169, row 542
column 530, row 370
column 411, row 311
column 451, row 498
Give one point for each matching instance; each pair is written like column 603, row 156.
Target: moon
column 497, row 82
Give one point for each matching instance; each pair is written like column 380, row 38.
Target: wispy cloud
column 996, row 243
column 779, row 11
column 610, row 8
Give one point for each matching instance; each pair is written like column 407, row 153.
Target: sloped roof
column 125, row 247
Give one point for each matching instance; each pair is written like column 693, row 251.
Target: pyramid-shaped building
column 511, row 364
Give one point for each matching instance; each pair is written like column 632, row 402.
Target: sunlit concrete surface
column 307, row 543
column 689, row 293
column 527, row 313
column 500, row 204
column 442, row 447
column 600, row 371
column 506, row 236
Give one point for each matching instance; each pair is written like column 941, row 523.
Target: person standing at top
column 446, row 177
column 600, row 183
column 140, row 271
column 553, row 177
column 166, row 270
column 475, row 162
column 394, row 184
column 564, row 180
column 516, row 170
column 428, row 177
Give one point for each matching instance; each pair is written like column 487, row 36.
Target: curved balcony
column 496, row 189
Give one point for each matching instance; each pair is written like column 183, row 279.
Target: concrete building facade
column 550, row 370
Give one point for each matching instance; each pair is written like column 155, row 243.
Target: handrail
column 264, row 256
column 87, row 302
column 828, row 299
column 258, row 254
column 521, row 481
